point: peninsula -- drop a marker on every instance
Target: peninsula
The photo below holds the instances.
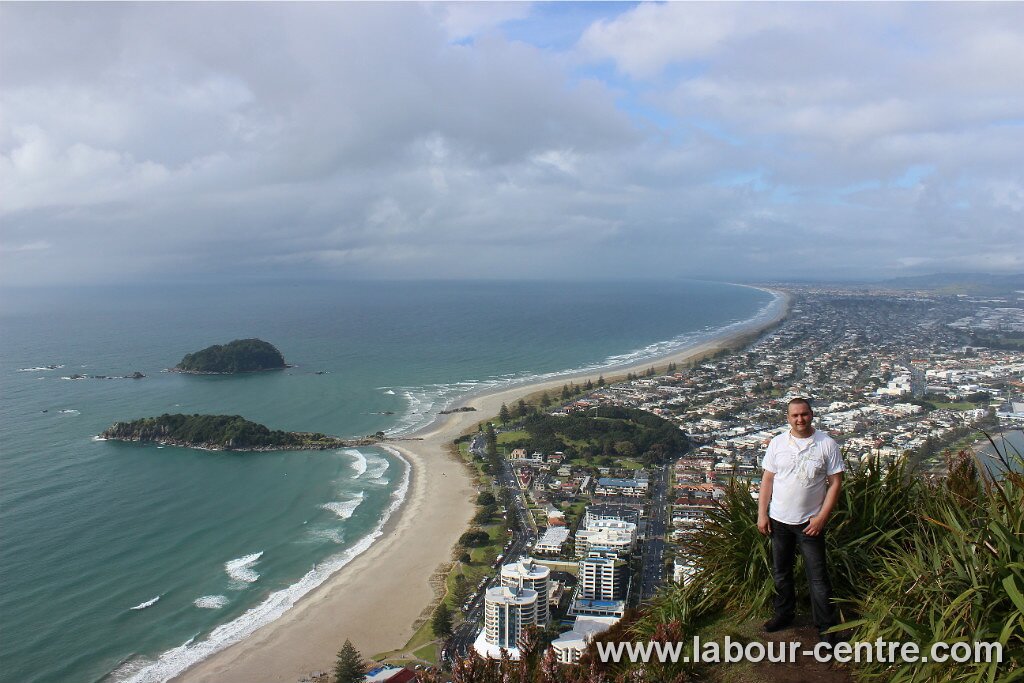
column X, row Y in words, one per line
column 224, row 433
column 240, row 355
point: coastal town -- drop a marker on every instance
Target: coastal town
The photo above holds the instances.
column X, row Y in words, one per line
column 892, row 376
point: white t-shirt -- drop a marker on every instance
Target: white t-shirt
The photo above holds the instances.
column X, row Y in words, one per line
column 802, row 468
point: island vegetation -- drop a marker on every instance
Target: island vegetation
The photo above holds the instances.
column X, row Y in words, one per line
column 224, row 433
column 240, row 355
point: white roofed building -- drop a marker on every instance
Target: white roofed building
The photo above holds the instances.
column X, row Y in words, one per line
column 571, row 645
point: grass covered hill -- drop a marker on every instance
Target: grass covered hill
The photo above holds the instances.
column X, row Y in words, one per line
column 240, row 355
column 220, row 432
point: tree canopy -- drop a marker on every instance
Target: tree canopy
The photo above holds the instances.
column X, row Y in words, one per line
column 350, row 666
column 442, row 621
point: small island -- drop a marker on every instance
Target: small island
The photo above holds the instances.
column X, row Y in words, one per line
column 240, row 355
column 225, row 433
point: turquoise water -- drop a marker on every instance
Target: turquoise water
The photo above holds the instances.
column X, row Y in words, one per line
column 206, row 545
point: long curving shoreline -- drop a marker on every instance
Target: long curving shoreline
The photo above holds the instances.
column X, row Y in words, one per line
column 374, row 600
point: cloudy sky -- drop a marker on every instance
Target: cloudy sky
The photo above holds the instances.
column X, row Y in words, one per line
column 147, row 142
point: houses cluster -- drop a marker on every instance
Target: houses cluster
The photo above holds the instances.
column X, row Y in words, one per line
column 887, row 374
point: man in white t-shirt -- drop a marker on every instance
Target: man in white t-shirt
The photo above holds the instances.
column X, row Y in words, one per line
column 803, row 473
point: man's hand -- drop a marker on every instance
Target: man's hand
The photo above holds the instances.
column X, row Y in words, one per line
column 814, row 525
column 764, row 497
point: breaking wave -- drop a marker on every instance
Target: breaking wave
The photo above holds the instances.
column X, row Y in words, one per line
column 344, row 508
column 148, row 603
column 360, row 460
column 211, row 601
column 240, row 569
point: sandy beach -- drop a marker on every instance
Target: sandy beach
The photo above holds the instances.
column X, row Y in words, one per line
column 374, row 600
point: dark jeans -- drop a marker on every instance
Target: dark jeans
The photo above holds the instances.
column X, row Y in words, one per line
column 785, row 540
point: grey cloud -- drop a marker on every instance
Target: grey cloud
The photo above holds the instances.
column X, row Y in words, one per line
column 150, row 140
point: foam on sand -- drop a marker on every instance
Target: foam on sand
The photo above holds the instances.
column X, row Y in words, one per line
column 174, row 661
column 240, row 569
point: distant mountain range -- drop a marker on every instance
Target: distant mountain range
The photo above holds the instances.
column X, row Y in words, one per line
column 973, row 284
column 957, row 283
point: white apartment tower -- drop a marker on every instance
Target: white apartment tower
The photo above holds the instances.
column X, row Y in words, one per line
column 528, row 574
column 507, row 611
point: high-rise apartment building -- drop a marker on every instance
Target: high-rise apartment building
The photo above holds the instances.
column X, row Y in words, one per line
column 603, row 578
column 528, row 574
column 507, row 611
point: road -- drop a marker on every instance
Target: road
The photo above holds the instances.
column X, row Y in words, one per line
column 523, row 530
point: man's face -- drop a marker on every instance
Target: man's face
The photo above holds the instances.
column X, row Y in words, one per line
column 800, row 416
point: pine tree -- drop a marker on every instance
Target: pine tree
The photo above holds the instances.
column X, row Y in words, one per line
column 522, row 409
column 350, row 666
column 442, row 621
column 504, row 415
column 600, row 381
column 545, row 400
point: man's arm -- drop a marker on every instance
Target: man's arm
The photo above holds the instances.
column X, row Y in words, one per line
column 763, row 498
column 817, row 522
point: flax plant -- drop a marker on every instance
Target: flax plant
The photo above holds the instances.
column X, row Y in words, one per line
column 877, row 515
column 961, row 580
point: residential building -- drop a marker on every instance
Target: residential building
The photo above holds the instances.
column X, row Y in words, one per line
column 507, row 611
column 528, row 574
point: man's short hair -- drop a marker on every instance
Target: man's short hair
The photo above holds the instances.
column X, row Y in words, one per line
column 800, row 399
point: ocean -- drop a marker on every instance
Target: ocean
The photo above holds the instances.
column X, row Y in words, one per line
column 126, row 562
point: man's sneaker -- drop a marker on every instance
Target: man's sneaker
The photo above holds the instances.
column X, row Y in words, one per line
column 777, row 623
